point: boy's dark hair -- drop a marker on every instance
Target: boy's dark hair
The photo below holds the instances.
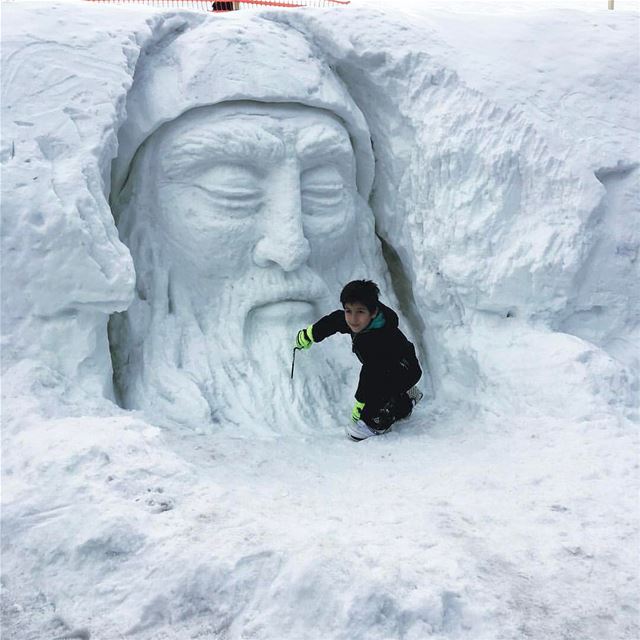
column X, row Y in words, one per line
column 363, row 291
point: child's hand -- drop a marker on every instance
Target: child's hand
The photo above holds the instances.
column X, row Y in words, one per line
column 304, row 338
column 357, row 411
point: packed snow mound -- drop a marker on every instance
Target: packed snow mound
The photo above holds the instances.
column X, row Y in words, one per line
column 585, row 111
column 182, row 192
column 477, row 217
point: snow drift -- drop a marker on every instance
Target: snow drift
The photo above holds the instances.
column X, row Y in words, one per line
column 506, row 242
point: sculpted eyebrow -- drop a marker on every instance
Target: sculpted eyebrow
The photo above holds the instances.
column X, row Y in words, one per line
column 323, row 147
column 236, row 145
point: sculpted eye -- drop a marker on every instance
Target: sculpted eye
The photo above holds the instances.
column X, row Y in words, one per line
column 229, row 189
column 322, row 187
column 234, row 197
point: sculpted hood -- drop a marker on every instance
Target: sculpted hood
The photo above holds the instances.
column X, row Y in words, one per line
column 228, row 60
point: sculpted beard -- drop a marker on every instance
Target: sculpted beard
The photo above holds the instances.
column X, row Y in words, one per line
column 227, row 262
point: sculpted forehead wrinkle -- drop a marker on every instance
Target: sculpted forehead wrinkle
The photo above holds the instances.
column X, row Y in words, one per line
column 242, row 142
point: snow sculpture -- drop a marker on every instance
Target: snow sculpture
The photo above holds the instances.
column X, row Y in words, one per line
column 244, row 219
column 490, row 229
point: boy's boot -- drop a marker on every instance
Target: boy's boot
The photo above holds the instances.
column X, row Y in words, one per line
column 359, row 431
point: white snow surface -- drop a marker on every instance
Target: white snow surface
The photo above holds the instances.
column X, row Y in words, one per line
column 488, row 171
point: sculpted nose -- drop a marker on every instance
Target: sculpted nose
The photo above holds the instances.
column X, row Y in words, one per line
column 283, row 241
column 289, row 251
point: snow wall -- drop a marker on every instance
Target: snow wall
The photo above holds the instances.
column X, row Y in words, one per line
column 491, row 232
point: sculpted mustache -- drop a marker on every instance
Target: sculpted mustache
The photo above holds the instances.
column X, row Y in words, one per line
column 307, row 293
column 273, row 287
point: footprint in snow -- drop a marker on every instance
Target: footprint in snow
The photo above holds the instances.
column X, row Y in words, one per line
column 156, row 502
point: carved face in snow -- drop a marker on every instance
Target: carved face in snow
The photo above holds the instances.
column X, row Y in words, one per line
column 265, row 187
column 259, row 200
column 244, row 221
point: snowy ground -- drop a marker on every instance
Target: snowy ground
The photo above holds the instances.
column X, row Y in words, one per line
column 506, row 507
column 437, row 530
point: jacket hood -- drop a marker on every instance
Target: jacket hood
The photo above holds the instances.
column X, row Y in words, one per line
column 390, row 316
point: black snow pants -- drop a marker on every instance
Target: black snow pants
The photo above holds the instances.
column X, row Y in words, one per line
column 386, row 385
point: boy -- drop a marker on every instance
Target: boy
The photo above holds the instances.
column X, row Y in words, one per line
column 390, row 369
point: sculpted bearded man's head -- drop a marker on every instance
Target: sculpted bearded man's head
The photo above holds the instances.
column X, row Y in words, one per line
column 243, row 201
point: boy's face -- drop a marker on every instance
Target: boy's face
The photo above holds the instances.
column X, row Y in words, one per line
column 357, row 316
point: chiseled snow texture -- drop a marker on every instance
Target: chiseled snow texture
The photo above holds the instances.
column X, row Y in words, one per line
column 506, row 200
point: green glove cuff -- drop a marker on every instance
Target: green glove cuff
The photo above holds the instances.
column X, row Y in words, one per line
column 357, row 411
column 304, row 338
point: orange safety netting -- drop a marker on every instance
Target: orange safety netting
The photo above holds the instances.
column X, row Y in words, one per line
column 220, row 7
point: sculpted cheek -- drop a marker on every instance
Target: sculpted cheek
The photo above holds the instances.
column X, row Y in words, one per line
column 203, row 237
column 331, row 237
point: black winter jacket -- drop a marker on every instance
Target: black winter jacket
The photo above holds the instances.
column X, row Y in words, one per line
column 384, row 352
